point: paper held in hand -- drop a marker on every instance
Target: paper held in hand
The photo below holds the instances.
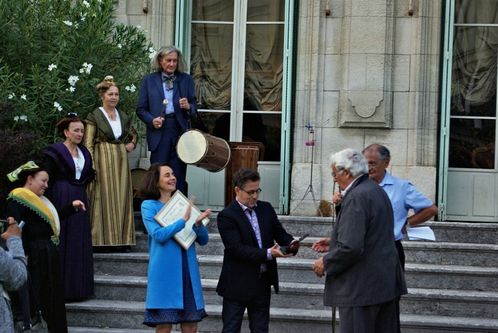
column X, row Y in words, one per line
column 174, row 210
column 420, row 233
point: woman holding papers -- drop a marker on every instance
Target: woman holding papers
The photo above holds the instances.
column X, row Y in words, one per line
column 174, row 291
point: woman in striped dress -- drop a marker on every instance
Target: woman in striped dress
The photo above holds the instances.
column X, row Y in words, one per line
column 109, row 137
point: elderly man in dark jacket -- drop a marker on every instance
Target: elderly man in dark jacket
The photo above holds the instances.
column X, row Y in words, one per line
column 363, row 273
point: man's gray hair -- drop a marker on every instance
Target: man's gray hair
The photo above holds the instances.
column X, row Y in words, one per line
column 351, row 160
column 384, row 153
column 155, row 63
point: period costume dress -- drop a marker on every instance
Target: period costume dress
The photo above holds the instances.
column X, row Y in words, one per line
column 40, row 237
column 174, row 291
column 68, row 180
column 111, row 193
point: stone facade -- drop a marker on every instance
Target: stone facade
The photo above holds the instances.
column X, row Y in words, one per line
column 367, row 71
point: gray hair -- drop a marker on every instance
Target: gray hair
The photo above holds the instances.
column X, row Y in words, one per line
column 155, row 63
column 351, row 160
column 384, row 153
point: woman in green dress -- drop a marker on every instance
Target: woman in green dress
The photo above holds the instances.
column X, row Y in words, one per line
column 109, row 137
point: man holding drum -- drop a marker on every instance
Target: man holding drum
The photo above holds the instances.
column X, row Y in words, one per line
column 166, row 104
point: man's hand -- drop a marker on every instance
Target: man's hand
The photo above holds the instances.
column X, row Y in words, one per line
column 12, row 230
column 184, row 104
column 321, row 245
column 157, row 122
column 276, row 253
column 337, row 198
column 319, row 268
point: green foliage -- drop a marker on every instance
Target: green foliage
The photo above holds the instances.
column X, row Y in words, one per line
column 52, row 55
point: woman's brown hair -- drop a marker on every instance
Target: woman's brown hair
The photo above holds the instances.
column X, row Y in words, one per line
column 149, row 188
column 64, row 123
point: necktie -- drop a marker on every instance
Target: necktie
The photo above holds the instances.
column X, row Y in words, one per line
column 168, row 80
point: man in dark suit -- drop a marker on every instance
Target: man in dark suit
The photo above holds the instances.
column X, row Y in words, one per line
column 249, row 229
column 363, row 273
column 166, row 104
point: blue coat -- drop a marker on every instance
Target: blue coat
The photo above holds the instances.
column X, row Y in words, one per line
column 164, row 287
column 150, row 103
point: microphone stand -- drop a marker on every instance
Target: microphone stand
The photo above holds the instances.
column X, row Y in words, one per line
column 309, row 189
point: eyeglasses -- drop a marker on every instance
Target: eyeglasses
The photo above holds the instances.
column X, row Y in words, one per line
column 252, row 192
column 335, row 174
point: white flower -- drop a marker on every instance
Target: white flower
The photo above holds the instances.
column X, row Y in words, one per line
column 68, row 23
column 73, row 79
column 87, row 68
column 152, row 53
column 12, row 95
column 57, row 106
column 23, row 117
column 86, row 4
column 72, row 89
column 51, row 67
column 83, row 17
column 16, row 118
column 131, row 88
column 120, row 46
column 23, row 96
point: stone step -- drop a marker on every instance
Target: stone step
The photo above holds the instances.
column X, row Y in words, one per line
column 299, row 270
column 114, row 315
column 110, row 330
column 129, row 315
column 443, row 253
column 310, row 296
column 453, row 232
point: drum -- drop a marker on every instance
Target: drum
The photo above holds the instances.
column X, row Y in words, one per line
column 203, row 150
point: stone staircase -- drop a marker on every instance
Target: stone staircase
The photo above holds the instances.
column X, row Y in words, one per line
column 453, row 284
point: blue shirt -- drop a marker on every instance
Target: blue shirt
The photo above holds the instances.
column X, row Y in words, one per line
column 404, row 196
column 168, row 96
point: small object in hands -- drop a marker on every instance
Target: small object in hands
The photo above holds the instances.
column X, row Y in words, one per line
column 291, row 249
column 4, row 224
column 21, row 224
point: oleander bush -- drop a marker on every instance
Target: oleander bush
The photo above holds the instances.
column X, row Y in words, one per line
column 52, row 55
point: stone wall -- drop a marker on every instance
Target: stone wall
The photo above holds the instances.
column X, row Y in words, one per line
column 367, row 72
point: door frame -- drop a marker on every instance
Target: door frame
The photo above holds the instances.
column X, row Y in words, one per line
column 183, row 13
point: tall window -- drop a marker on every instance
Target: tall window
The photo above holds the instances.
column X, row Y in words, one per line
column 473, row 89
column 236, row 61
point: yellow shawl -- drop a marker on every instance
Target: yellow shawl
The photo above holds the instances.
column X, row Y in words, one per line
column 41, row 206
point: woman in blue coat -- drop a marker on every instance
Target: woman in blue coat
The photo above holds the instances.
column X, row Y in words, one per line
column 174, row 291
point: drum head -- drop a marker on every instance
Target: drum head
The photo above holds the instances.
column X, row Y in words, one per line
column 192, row 146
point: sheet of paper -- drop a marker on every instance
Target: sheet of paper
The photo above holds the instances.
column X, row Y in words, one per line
column 420, row 233
column 172, row 211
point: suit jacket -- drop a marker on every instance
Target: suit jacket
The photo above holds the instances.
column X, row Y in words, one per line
column 150, row 103
column 242, row 256
column 362, row 265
